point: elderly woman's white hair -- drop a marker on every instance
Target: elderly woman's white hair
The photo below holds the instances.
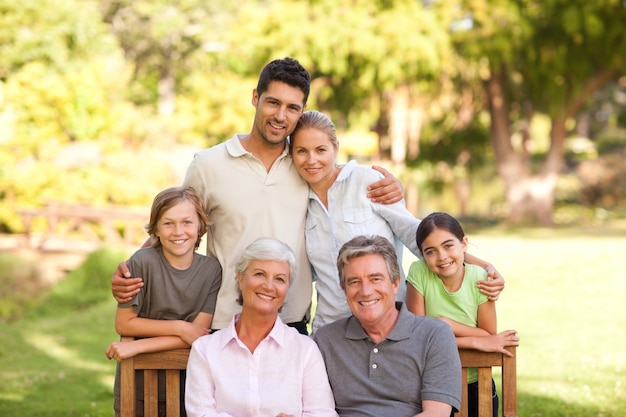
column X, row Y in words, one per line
column 266, row 249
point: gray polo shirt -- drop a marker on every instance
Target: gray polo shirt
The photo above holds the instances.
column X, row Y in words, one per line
column 418, row 361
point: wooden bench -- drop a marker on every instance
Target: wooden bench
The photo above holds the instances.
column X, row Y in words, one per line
column 484, row 361
column 172, row 361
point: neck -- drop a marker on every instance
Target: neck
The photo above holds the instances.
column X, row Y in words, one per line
column 253, row 328
column 453, row 283
column 179, row 262
column 378, row 331
column 264, row 151
column 321, row 188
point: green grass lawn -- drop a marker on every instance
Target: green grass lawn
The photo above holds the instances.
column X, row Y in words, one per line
column 565, row 295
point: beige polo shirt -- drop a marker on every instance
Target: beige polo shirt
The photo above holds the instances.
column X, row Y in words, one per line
column 246, row 202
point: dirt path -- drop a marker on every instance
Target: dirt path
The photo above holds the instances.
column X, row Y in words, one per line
column 53, row 257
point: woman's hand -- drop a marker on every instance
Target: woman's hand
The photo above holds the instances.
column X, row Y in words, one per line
column 494, row 284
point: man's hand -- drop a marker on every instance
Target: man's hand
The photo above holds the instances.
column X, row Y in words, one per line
column 386, row 191
column 123, row 286
column 494, row 284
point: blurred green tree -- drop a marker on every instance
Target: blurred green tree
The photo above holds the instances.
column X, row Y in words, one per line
column 547, row 57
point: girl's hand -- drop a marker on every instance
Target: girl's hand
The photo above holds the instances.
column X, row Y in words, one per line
column 498, row 342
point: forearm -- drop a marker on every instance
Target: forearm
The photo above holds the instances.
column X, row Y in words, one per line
column 434, row 409
column 142, row 327
column 469, row 342
column 471, row 259
column 159, row 344
column 462, row 330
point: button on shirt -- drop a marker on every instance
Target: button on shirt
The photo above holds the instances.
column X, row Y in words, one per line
column 285, row 374
column 417, row 361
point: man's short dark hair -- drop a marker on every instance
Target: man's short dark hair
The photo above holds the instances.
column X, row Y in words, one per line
column 288, row 71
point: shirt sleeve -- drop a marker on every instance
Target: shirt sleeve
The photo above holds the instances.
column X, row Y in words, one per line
column 417, row 275
column 136, row 270
column 402, row 223
column 441, row 379
column 214, row 279
column 317, row 397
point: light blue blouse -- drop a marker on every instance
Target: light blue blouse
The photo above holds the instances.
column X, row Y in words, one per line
column 350, row 213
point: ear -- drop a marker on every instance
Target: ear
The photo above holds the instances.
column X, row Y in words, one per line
column 464, row 243
column 396, row 285
column 255, row 97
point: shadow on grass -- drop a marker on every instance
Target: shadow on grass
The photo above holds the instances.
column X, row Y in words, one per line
column 57, row 367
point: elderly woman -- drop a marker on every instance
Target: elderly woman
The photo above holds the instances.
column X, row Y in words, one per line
column 258, row 366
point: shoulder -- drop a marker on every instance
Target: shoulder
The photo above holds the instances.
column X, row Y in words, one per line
column 210, row 261
column 474, row 272
column 418, row 267
column 419, row 272
column 421, row 325
column 216, row 151
column 206, row 342
column 330, row 332
column 357, row 172
column 299, row 341
column 145, row 255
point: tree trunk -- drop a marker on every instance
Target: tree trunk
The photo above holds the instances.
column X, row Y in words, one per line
column 398, row 124
column 167, row 92
column 529, row 197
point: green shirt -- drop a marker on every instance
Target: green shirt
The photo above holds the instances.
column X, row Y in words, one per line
column 460, row 306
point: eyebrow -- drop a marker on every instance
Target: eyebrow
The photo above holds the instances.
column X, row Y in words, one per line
column 442, row 243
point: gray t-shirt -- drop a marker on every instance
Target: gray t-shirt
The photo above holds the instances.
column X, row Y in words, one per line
column 174, row 294
column 418, row 361
column 171, row 294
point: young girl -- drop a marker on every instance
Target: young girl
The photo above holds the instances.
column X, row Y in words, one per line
column 176, row 304
column 443, row 286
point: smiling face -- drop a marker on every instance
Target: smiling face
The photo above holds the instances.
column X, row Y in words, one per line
column 277, row 112
column 444, row 253
column 264, row 285
column 177, row 230
column 314, row 155
column 370, row 292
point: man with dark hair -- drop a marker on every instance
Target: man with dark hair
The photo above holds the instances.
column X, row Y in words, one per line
column 384, row 360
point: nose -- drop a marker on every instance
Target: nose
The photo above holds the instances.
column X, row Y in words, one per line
column 281, row 114
column 366, row 287
column 178, row 229
column 269, row 283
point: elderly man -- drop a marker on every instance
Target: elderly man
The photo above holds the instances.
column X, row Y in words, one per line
column 384, row 360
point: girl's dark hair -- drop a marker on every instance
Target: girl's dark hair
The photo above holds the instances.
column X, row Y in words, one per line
column 437, row 220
